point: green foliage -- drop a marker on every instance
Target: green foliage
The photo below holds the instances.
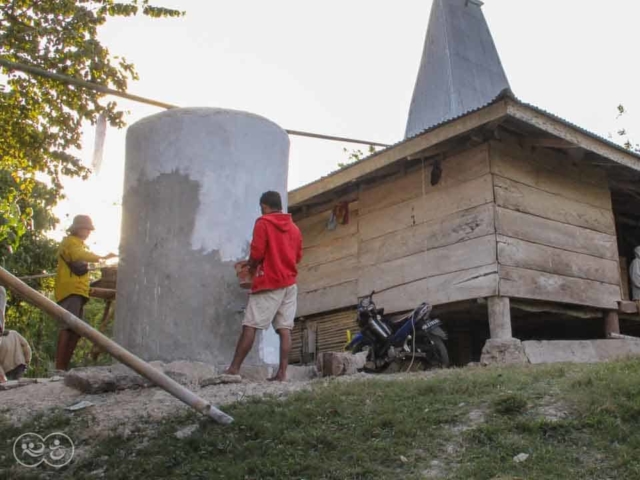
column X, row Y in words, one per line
column 354, row 156
column 41, row 122
column 622, row 132
column 41, row 119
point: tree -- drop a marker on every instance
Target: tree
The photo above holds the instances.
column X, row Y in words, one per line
column 622, row 132
column 356, row 155
column 41, row 119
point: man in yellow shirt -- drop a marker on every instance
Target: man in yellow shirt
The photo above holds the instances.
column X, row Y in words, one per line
column 71, row 285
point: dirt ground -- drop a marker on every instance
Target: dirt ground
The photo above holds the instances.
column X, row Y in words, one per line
column 117, row 411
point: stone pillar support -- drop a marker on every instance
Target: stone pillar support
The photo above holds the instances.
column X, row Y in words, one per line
column 499, row 318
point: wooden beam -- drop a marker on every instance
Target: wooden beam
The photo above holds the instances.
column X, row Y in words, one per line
column 403, row 150
column 533, row 306
column 103, row 293
column 611, row 324
column 499, row 310
column 529, row 142
column 572, row 135
column 627, row 306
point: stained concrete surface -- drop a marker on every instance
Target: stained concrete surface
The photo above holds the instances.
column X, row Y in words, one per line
column 193, row 178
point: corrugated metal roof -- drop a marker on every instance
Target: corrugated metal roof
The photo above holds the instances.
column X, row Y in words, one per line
column 460, row 67
column 505, row 94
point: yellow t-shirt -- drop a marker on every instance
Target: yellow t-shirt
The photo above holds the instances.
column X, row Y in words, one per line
column 73, row 249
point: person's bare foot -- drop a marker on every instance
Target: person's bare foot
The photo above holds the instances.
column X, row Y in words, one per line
column 278, row 377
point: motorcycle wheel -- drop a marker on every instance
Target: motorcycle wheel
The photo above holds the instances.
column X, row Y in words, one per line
column 440, row 357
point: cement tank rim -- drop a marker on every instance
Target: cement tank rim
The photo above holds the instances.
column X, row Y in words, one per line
column 202, row 111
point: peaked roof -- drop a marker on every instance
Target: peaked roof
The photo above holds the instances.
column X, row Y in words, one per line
column 505, row 107
column 460, row 69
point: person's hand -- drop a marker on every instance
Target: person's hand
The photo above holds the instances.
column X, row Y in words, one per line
column 109, row 256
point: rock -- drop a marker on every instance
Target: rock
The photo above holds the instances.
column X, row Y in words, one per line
column 580, row 351
column 194, row 373
column 10, row 384
column 221, row 379
column 503, row 352
column 186, row 431
column 120, row 377
column 79, row 406
column 335, row 364
column 520, row 457
column 110, row 378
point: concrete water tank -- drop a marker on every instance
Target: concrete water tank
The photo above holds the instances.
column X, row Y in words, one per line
column 193, row 179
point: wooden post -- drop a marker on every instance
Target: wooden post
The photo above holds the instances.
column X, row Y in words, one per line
column 96, row 350
column 138, row 365
column 611, row 323
column 499, row 318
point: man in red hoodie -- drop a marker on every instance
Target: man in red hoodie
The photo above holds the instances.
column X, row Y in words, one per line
column 276, row 249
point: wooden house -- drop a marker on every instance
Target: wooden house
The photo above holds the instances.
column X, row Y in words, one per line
column 508, row 219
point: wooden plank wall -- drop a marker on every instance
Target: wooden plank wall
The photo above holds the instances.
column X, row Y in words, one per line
column 408, row 240
column 555, row 228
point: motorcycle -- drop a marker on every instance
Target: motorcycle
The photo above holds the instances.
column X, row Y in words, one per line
column 414, row 339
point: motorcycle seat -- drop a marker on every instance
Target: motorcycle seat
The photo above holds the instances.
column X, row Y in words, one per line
column 401, row 319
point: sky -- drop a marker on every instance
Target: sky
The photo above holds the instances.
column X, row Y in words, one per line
column 348, row 68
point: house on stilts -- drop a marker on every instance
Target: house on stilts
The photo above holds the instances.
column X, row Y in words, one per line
column 511, row 221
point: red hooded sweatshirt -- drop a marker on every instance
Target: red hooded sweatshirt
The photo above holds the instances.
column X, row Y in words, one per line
column 277, row 248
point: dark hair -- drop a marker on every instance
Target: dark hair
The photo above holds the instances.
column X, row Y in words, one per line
column 272, row 200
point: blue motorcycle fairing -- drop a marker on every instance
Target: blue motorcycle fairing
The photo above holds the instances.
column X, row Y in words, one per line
column 354, row 341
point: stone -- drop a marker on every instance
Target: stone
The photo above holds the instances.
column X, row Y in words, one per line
column 186, row 431
column 222, row 379
column 120, row 377
column 521, row 457
column 79, row 406
column 503, row 352
column 580, row 351
column 194, row 373
column 335, row 364
column 110, row 378
column 9, row 385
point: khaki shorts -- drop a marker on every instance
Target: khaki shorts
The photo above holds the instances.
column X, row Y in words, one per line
column 277, row 306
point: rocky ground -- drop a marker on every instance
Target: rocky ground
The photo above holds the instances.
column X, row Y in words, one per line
column 131, row 398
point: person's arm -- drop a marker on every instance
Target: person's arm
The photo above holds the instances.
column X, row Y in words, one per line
column 80, row 253
column 258, row 245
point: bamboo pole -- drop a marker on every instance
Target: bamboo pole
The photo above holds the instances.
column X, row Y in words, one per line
column 111, row 347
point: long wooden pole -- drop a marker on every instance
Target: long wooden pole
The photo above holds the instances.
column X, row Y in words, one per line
column 32, row 70
column 116, row 351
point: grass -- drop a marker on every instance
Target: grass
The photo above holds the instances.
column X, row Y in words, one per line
column 573, row 421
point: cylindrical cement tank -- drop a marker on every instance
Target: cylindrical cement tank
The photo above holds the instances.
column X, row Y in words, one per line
column 193, row 180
